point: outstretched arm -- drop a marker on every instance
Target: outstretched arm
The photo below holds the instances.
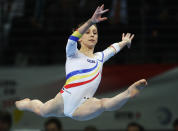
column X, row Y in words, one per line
column 116, row 47
column 71, row 48
column 96, row 18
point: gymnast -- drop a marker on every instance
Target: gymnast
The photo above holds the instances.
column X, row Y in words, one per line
column 83, row 75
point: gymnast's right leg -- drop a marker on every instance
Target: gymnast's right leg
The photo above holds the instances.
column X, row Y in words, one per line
column 53, row 107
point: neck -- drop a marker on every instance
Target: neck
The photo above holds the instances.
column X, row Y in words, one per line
column 87, row 51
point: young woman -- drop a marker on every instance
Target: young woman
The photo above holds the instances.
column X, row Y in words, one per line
column 83, row 69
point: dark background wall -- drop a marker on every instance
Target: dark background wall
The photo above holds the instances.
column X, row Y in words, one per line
column 35, row 32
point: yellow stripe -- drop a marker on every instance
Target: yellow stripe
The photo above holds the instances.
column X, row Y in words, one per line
column 81, row 77
column 77, row 34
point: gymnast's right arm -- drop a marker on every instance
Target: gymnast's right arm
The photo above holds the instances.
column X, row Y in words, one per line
column 71, row 48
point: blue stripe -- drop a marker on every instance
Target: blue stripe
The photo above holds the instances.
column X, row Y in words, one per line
column 102, row 57
column 73, row 38
column 80, row 71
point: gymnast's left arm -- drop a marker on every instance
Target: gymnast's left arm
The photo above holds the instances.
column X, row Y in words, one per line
column 116, row 47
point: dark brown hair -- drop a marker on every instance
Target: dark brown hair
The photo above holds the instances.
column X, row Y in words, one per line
column 74, row 29
column 55, row 121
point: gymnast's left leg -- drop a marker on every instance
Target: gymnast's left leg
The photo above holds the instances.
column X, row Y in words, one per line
column 94, row 107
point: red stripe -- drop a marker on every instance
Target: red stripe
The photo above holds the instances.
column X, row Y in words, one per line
column 80, row 83
column 61, row 91
column 114, row 48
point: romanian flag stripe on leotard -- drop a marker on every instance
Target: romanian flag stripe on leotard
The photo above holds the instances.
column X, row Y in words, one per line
column 75, row 36
column 81, row 83
column 81, row 76
column 80, row 71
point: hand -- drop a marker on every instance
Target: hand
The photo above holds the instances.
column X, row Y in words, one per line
column 96, row 18
column 127, row 39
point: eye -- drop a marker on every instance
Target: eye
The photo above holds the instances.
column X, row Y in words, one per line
column 94, row 32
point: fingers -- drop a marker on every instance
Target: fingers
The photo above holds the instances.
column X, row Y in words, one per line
column 97, row 9
column 97, row 15
column 102, row 12
column 103, row 19
column 128, row 35
column 132, row 36
column 102, row 7
column 123, row 35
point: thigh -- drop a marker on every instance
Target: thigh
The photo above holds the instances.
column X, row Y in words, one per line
column 90, row 109
column 54, row 107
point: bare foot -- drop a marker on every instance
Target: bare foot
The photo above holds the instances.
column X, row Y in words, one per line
column 135, row 88
column 22, row 104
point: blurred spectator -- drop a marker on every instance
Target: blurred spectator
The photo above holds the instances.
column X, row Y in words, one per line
column 90, row 128
column 53, row 124
column 12, row 9
column 134, row 127
column 175, row 124
column 5, row 121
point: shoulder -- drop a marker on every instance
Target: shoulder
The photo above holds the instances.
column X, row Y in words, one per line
column 99, row 56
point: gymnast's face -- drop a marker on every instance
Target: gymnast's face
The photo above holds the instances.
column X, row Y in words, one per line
column 90, row 38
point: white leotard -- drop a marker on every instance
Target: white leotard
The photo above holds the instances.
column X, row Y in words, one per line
column 83, row 74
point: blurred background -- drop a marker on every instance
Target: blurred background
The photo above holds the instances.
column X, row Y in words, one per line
column 33, row 36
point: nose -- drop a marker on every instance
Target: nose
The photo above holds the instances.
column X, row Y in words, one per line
column 92, row 34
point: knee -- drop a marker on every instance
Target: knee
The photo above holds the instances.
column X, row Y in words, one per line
column 104, row 102
column 99, row 104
